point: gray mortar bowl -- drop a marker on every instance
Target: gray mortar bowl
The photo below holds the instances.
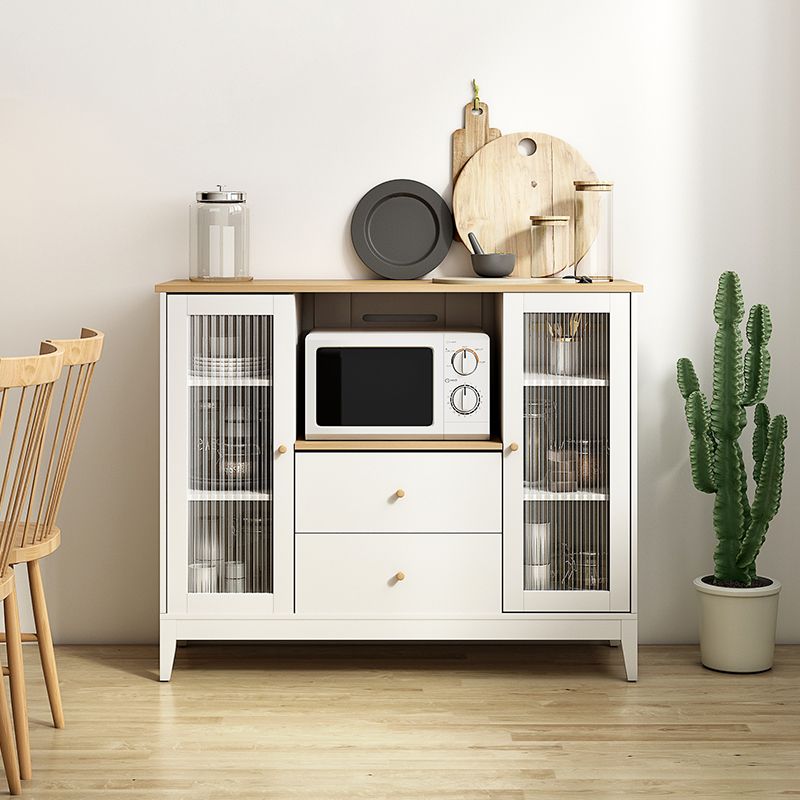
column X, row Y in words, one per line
column 493, row 265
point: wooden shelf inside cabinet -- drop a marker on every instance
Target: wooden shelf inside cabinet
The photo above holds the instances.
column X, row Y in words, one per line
column 537, row 495
column 229, row 495
column 545, row 379
column 197, row 380
column 400, row 444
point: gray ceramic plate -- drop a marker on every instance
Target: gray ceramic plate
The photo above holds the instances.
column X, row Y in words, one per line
column 402, row 229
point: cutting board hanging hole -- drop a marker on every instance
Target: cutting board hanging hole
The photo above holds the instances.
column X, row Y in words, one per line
column 526, row 147
column 476, row 112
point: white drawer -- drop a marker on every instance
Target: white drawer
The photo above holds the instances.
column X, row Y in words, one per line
column 441, row 492
column 356, row 573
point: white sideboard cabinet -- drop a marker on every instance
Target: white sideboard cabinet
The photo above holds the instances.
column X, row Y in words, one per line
column 529, row 535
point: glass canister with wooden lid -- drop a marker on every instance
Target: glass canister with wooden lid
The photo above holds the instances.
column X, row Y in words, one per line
column 550, row 250
column 593, row 234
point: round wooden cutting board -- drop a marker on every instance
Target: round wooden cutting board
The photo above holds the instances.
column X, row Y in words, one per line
column 511, row 179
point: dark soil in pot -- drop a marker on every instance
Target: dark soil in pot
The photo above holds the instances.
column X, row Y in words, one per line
column 758, row 583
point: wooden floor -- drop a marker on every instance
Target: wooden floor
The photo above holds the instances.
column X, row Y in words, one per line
column 331, row 722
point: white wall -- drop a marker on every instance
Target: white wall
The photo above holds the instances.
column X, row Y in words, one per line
column 114, row 113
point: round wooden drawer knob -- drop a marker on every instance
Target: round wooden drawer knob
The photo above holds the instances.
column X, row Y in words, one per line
column 400, row 576
column 400, row 493
column 513, row 447
column 283, row 449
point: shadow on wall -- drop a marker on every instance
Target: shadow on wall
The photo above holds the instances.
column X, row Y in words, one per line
column 102, row 585
column 742, row 120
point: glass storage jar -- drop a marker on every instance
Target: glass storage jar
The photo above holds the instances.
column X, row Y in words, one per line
column 219, row 240
column 594, row 230
column 550, row 251
column 538, row 424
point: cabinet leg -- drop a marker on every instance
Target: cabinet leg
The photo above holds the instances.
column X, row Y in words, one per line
column 613, row 642
column 168, row 643
column 630, row 648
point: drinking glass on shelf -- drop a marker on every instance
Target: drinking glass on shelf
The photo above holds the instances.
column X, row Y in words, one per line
column 234, row 576
column 538, row 422
column 564, row 346
column 203, row 576
column 537, row 543
column 537, row 577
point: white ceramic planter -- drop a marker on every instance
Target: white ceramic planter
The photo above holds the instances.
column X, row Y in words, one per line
column 737, row 626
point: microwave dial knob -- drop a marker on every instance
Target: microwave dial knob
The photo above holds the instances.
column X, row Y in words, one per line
column 464, row 361
column 465, row 399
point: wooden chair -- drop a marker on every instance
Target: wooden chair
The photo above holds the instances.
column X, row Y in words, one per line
column 26, row 393
column 36, row 534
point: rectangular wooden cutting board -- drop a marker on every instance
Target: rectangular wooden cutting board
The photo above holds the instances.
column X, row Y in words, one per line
column 474, row 135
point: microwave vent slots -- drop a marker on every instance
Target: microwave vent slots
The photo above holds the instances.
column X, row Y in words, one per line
column 400, row 319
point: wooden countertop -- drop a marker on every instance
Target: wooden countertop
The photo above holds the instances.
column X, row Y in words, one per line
column 183, row 286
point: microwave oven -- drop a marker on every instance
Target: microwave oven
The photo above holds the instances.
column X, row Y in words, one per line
column 396, row 384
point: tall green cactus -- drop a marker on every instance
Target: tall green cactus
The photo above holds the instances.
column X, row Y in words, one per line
column 716, row 457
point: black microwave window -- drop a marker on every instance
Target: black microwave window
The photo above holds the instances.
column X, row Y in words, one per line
column 367, row 386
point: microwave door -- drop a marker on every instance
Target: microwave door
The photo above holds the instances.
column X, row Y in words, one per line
column 377, row 392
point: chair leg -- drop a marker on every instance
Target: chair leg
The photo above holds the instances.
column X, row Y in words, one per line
column 45, row 639
column 7, row 746
column 16, row 673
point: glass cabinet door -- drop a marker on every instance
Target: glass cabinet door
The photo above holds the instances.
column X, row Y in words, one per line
column 230, row 479
column 226, row 479
column 566, row 529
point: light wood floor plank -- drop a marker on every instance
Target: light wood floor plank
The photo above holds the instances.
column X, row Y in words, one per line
column 411, row 722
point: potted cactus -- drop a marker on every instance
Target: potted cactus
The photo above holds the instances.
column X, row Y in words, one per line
column 738, row 607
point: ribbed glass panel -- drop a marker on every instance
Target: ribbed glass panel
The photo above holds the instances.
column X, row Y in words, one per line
column 230, row 463
column 566, row 466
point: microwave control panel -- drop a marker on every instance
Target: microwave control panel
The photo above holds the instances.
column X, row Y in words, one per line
column 466, row 385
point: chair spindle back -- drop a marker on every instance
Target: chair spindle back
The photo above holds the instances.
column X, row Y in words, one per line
column 80, row 357
column 26, row 393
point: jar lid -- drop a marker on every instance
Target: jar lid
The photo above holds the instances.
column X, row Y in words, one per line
column 555, row 221
column 221, row 195
column 593, row 186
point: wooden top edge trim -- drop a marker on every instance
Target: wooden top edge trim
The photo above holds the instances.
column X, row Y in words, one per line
column 281, row 286
column 84, row 350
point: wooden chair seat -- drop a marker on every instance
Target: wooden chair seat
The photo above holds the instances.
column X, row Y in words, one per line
column 22, row 553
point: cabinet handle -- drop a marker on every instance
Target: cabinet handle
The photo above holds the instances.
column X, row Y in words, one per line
column 513, row 447
column 283, row 449
column 400, row 493
column 400, row 576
